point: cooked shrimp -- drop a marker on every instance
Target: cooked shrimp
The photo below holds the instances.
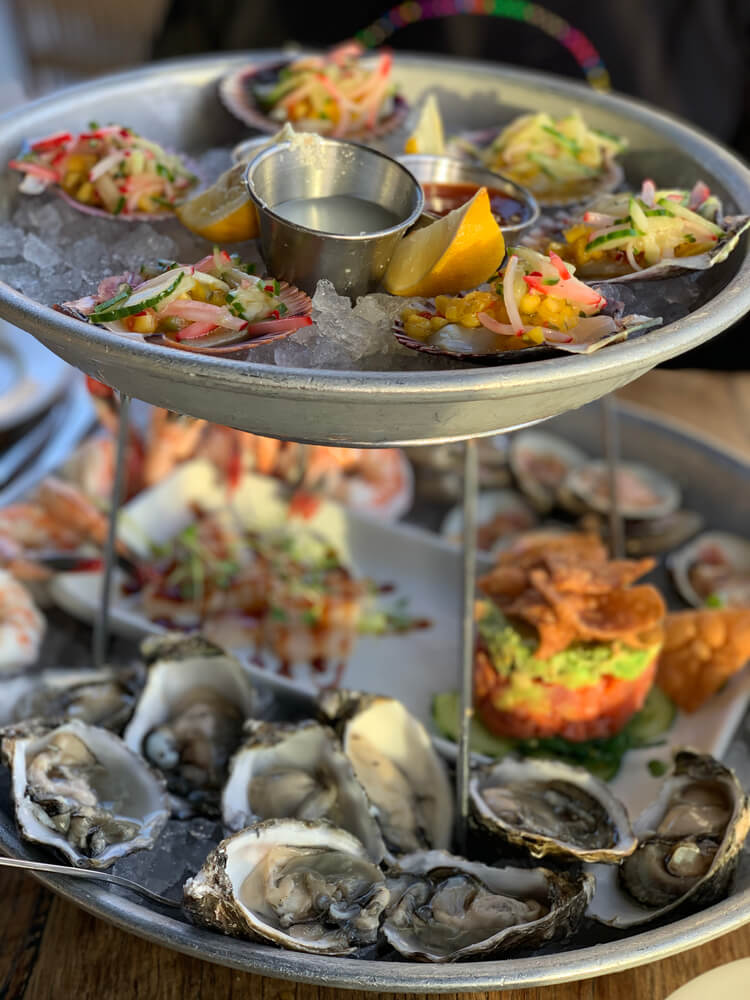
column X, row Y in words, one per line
column 22, row 626
column 373, row 480
column 172, row 439
column 65, row 504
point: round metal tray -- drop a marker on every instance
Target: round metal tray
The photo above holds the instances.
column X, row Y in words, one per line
column 177, row 102
column 709, row 476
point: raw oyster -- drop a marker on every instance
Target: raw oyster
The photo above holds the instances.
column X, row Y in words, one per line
column 297, row 772
column 642, row 492
column 551, row 808
column 397, row 766
column 540, row 462
column 188, row 720
column 80, row 790
column 690, row 839
column 444, row 908
column 306, row 886
column 97, row 697
column 714, row 566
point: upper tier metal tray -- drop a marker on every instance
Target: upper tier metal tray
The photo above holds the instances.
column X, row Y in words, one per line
column 177, row 104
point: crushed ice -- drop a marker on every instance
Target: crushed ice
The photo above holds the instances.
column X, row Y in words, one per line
column 53, row 253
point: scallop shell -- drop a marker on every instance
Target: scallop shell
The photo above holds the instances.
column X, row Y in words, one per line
column 480, row 345
column 514, row 828
column 525, row 445
column 308, row 749
column 578, row 494
column 613, row 906
column 563, row 895
column 466, row 144
column 297, row 302
column 712, row 547
column 236, row 96
column 139, row 793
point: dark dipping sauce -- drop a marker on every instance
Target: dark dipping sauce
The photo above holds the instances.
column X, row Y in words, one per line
column 441, row 197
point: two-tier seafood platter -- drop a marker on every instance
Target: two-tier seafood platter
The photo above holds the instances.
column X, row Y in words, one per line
column 285, row 766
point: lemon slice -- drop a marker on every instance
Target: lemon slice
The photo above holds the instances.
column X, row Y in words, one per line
column 455, row 253
column 428, row 135
column 224, row 212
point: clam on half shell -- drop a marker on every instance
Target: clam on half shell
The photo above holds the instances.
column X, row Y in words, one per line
column 445, row 908
column 303, row 885
column 551, row 808
column 690, row 839
column 297, row 771
column 80, row 790
column 394, row 761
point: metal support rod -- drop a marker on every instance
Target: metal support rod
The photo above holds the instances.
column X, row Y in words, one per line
column 611, row 439
column 466, row 686
column 101, row 625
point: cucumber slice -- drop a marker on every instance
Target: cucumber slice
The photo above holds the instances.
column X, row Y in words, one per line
column 637, row 216
column 445, row 714
column 612, row 240
column 684, row 213
column 653, row 720
column 148, row 296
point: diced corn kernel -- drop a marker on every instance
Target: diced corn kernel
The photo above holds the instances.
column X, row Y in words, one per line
column 72, row 180
column 199, row 292
column 85, row 192
column 530, row 302
column 144, row 324
column 535, row 335
column 80, row 162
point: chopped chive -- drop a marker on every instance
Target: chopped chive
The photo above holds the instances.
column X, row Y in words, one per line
column 164, row 171
column 119, row 206
column 550, row 281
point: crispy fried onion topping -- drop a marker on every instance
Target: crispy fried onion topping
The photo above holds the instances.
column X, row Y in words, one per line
column 567, row 589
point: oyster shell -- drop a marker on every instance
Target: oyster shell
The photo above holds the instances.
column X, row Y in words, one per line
column 642, row 492
column 306, row 886
column 715, row 565
column 288, row 771
column 551, row 808
column 540, row 462
column 445, row 908
column 188, row 720
column 690, row 839
column 650, row 536
column 80, row 790
column 98, row 697
column 396, row 764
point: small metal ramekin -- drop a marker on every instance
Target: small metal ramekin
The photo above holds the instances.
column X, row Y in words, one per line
column 315, row 168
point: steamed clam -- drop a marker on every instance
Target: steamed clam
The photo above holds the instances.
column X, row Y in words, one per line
column 690, row 839
column 396, row 764
column 642, row 492
column 540, row 462
column 714, row 567
column 189, row 718
column 303, row 885
column 297, row 771
column 80, row 790
column 445, row 908
column 551, row 808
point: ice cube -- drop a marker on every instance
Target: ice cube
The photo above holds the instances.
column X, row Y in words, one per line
column 35, row 251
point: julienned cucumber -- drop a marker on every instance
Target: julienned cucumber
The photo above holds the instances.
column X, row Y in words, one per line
column 147, row 297
column 611, row 240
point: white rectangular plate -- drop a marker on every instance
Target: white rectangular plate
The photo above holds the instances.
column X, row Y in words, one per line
column 423, row 567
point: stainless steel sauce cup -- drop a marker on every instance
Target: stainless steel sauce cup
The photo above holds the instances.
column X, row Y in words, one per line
column 449, row 170
column 315, row 168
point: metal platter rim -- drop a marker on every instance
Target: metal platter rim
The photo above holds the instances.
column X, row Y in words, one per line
column 427, row 387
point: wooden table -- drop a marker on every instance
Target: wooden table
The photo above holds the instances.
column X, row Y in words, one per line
column 51, row 949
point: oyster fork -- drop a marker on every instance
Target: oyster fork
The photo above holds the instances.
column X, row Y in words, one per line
column 90, row 873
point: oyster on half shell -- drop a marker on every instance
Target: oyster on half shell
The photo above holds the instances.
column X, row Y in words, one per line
column 394, row 761
column 551, row 808
column 80, row 790
column 642, row 492
column 303, row 885
column 188, row 720
column 715, row 565
column 297, row 771
column 690, row 839
column 540, row 462
column 445, row 908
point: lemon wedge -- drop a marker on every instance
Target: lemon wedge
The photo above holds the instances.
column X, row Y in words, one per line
column 224, row 212
column 428, row 135
column 455, row 253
